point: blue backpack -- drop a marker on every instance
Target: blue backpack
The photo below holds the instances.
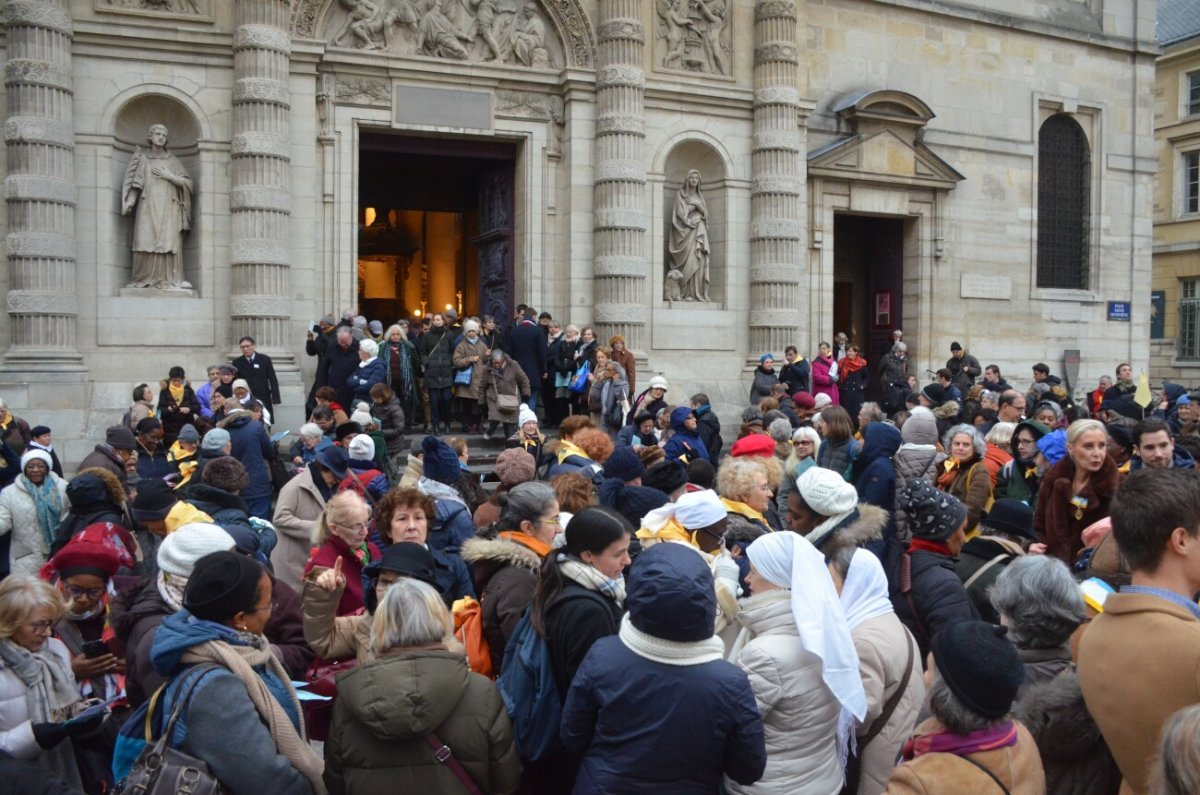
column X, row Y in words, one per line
column 529, row 690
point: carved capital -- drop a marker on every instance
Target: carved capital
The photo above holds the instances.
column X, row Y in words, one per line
column 40, row 246
column 262, row 37
column 776, row 228
column 28, row 71
column 777, row 95
column 261, row 143
column 37, row 302
column 27, row 187
column 775, row 184
column 613, row 265
column 621, row 30
column 787, row 141
column 620, row 75
column 618, row 170
column 33, row 130
column 18, row 13
column 260, row 306
column 629, row 123
column 775, row 9
column 777, row 51
column 261, row 89
column 253, row 251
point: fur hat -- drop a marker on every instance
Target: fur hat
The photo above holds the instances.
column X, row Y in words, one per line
column 825, row 491
column 515, row 465
column 441, row 462
column 225, row 473
column 178, row 552
column 933, row 515
column 979, row 665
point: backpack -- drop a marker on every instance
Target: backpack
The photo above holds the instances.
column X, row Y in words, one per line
column 468, row 628
column 529, row 689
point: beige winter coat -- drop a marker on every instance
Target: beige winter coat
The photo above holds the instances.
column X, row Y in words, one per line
column 799, row 712
column 882, row 644
column 296, row 511
column 462, row 359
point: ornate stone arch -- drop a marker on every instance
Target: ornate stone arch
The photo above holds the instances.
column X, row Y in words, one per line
column 568, row 16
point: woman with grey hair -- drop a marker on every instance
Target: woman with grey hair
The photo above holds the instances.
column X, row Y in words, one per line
column 1177, row 771
column 312, row 441
column 1040, row 603
column 972, row 743
column 505, row 562
column 964, row 473
column 414, row 702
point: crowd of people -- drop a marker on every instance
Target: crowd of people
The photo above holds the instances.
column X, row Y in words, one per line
column 870, row 586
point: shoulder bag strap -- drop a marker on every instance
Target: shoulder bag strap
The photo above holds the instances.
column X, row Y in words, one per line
column 979, row 573
column 892, row 702
column 197, row 673
column 443, row 754
column 906, row 591
column 989, row 773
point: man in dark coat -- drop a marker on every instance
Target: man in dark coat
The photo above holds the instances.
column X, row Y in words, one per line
column 708, row 427
column 528, row 343
column 341, row 360
column 251, row 445
column 964, row 368
column 114, row 453
column 318, row 344
column 259, row 373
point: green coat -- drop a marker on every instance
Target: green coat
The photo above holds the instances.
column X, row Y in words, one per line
column 386, row 708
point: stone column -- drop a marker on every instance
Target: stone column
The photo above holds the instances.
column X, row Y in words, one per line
column 39, row 188
column 260, row 186
column 776, row 224
column 620, row 268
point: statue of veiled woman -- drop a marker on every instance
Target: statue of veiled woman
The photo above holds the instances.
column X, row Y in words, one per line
column 160, row 190
column 688, row 249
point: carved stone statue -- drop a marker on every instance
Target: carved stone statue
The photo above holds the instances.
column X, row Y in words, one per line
column 694, row 35
column 160, row 190
column 172, row 6
column 529, row 38
column 688, row 268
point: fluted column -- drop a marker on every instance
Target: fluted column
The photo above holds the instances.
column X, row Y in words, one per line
column 39, row 188
column 776, row 223
column 621, row 270
column 260, row 204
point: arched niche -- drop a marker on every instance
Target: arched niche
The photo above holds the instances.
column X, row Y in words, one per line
column 131, row 126
column 685, row 157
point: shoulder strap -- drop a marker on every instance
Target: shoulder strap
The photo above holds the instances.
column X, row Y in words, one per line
column 443, row 754
column 892, row 702
column 989, row 773
column 196, row 673
column 980, row 571
column 906, row 591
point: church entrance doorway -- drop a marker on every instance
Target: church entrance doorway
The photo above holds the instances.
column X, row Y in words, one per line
column 435, row 227
column 868, row 271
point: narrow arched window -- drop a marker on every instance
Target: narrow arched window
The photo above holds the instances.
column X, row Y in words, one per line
column 1064, row 170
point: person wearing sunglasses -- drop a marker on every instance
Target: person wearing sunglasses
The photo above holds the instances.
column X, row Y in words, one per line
column 341, row 535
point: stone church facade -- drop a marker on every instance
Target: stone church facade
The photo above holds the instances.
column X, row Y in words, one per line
column 864, row 166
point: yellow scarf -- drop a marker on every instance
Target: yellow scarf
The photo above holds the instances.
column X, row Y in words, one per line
column 671, row 531
column 176, row 392
column 742, row 509
column 566, row 449
column 529, row 542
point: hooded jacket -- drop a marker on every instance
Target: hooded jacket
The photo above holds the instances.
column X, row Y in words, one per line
column 874, row 473
column 708, row 426
column 862, row 527
column 252, row 447
column 685, row 443
column 220, row 722
column 387, row 707
column 506, row 575
column 1015, row 480
column 92, row 500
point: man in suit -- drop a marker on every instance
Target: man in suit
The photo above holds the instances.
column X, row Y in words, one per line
column 259, row 373
column 528, row 343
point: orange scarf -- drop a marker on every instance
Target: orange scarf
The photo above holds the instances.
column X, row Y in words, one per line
column 849, row 364
column 524, row 539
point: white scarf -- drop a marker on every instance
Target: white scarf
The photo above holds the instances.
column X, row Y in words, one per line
column 669, row 652
column 790, row 561
column 865, row 591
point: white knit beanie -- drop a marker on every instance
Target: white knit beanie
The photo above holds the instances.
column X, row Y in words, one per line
column 34, row 454
column 525, row 415
column 362, row 448
column 363, row 418
column 179, row 551
column 826, row 492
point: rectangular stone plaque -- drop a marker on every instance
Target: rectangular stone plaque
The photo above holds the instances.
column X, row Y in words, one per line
column 442, row 107
column 981, row 285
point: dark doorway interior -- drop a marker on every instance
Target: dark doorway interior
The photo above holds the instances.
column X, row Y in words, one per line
column 435, row 227
column 868, row 270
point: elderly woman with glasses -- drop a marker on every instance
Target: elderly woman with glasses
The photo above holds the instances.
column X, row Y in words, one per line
column 340, row 535
column 38, row 693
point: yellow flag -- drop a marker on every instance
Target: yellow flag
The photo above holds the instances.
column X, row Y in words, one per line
column 1143, row 397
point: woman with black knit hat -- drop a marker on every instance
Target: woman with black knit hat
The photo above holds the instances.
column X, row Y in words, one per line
column 242, row 718
column 971, row 744
column 922, row 583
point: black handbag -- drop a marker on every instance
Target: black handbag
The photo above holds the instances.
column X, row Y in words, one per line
column 162, row 770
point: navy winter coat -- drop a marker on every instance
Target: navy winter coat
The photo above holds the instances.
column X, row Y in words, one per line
column 252, row 447
column 529, row 348
column 362, row 379
column 452, row 525
column 452, row 576
column 875, row 474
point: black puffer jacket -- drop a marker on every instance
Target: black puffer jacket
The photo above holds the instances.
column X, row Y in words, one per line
column 436, row 349
column 91, row 502
column 936, row 593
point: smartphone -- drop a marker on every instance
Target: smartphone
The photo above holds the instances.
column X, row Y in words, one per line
column 95, row 648
column 314, row 328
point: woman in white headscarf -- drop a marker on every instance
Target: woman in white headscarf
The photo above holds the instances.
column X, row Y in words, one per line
column 889, row 663
column 797, row 651
column 700, row 520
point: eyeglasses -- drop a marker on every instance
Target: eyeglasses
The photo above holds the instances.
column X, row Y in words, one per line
column 77, row 593
column 553, row 521
column 42, row 627
column 269, row 607
column 356, row 526
column 720, row 538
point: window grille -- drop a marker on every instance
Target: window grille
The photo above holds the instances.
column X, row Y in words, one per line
column 1193, row 94
column 1191, row 182
column 1064, row 173
column 1189, row 319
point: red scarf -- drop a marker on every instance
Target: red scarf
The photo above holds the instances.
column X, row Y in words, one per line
column 926, row 545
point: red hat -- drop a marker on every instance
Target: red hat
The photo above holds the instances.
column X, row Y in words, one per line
column 96, row 549
column 803, row 400
column 756, row 444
